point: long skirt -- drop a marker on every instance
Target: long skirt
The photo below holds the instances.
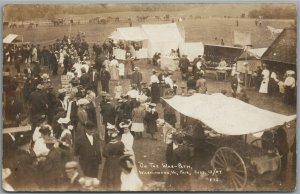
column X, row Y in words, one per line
column 137, row 127
column 155, row 93
column 264, row 86
column 111, row 176
column 289, row 95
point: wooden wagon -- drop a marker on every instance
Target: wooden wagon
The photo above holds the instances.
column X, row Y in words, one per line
column 227, row 125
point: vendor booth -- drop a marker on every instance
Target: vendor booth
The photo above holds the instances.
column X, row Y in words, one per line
column 191, row 49
column 154, row 38
column 252, row 57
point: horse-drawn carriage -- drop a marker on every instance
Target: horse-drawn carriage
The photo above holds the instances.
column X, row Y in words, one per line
column 231, row 133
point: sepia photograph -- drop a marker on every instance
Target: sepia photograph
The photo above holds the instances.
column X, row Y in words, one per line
column 149, row 97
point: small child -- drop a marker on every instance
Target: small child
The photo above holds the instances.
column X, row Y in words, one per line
column 118, row 90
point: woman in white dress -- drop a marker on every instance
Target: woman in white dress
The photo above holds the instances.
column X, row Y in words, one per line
column 127, row 138
column 113, row 69
column 130, row 181
column 61, row 57
column 265, row 82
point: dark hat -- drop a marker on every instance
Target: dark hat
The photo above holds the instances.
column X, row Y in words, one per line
column 23, row 138
column 42, row 118
column 45, row 130
column 89, row 125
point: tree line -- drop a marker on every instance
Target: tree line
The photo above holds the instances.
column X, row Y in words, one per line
column 274, row 12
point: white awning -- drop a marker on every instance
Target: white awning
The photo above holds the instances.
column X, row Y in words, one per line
column 128, row 34
column 9, row 38
column 227, row 115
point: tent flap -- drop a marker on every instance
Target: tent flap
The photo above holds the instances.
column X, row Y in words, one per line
column 227, row 115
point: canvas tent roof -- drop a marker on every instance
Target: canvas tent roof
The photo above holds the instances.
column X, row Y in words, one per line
column 162, row 32
column 252, row 53
column 223, row 51
column 191, row 49
column 284, row 48
column 129, row 34
column 10, row 38
column 227, row 115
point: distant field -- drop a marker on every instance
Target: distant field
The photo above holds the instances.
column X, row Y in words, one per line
column 197, row 30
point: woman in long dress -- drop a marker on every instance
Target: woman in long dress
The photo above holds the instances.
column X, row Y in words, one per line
column 113, row 150
column 155, row 90
column 138, row 114
column 265, row 82
column 150, row 120
column 113, row 69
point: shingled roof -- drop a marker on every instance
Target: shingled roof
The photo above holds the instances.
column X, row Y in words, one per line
column 283, row 49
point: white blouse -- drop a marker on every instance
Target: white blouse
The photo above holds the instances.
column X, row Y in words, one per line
column 127, row 140
column 154, row 79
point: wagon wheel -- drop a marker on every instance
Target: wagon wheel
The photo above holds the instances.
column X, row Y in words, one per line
column 232, row 167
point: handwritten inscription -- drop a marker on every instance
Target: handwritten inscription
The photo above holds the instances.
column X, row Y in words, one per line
column 151, row 168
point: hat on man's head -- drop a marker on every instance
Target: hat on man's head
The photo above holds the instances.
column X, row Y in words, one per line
column 45, row 130
column 40, row 86
column 73, row 69
column 71, row 165
column 89, row 125
column 154, row 71
column 152, row 104
column 45, row 76
column 23, row 138
column 61, row 91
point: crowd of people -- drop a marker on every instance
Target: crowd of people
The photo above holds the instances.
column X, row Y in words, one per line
column 66, row 131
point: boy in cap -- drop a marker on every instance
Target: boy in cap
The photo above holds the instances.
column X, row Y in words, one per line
column 71, row 169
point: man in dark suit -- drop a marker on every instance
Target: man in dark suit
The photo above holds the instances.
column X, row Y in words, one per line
column 136, row 77
column 109, row 115
column 104, row 78
column 181, row 156
column 85, row 78
column 234, row 85
column 94, row 77
column 9, row 149
column 39, row 105
column 25, row 164
column 87, row 147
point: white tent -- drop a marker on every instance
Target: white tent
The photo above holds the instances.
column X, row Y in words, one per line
column 191, row 49
column 252, row 57
column 11, row 38
column 162, row 38
column 227, row 115
column 156, row 37
column 128, row 34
